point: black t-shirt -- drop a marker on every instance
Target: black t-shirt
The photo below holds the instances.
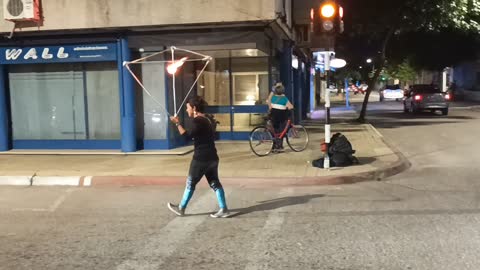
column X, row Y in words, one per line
column 203, row 139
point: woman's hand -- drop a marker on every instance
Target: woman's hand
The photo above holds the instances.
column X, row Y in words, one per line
column 174, row 119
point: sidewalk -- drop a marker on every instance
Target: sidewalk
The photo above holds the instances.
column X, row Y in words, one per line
column 465, row 105
column 238, row 165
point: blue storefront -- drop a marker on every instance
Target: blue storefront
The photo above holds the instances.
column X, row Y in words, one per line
column 79, row 95
column 72, row 96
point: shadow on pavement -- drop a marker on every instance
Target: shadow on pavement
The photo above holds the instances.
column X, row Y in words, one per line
column 365, row 160
column 275, row 204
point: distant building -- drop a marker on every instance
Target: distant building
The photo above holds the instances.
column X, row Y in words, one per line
column 467, row 79
column 63, row 85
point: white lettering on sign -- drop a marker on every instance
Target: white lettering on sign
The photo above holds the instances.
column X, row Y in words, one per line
column 13, row 54
column 46, row 54
column 61, row 53
column 32, row 53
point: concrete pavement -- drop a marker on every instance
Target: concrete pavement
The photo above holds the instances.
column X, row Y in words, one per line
column 238, row 165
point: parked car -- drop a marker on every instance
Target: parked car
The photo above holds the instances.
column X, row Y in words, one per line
column 423, row 97
column 393, row 92
column 356, row 89
column 363, row 87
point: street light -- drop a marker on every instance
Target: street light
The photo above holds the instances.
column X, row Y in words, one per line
column 369, row 60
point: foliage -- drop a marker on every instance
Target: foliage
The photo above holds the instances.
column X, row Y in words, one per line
column 403, row 72
column 372, row 24
column 349, row 74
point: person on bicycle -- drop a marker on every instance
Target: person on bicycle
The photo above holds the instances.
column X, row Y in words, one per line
column 279, row 105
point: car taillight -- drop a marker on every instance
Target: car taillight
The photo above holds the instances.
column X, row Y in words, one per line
column 447, row 97
column 418, row 97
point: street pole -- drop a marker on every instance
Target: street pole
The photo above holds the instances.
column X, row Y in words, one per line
column 326, row 158
column 346, row 94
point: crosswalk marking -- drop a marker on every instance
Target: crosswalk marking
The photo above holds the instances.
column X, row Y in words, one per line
column 170, row 237
column 259, row 255
column 52, row 208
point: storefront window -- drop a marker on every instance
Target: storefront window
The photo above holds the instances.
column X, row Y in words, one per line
column 275, row 70
column 214, row 83
column 250, row 76
column 65, row 101
column 245, row 122
column 103, row 101
column 249, row 72
column 155, row 117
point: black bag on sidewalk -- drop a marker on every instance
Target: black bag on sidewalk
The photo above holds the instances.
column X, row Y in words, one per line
column 340, row 152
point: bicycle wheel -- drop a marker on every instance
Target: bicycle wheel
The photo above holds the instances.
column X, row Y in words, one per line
column 261, row 141
column 297, row 138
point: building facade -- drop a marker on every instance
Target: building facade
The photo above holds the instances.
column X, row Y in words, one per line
column 467, row 79
column 63, row 83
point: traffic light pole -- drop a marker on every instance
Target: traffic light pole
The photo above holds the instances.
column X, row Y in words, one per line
column 326, row 159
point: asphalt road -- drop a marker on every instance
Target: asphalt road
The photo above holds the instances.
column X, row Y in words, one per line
column 424, row 218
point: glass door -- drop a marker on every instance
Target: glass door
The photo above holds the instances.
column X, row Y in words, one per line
column 236, row 87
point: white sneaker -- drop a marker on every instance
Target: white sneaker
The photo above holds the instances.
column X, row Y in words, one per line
column 222, row 213
column 176, row 209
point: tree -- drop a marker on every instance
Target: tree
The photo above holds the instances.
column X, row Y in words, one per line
column 375, row 22
column 433, row 50
column 347, row 74
column 403, row 72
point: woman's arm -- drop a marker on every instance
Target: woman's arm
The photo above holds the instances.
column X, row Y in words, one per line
column 289, row 105
column 176, row 121
column 269, row 100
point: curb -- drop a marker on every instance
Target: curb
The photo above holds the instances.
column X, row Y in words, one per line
column 80, row 181
column 473, row 107
column 397, row 167
column 391, row 169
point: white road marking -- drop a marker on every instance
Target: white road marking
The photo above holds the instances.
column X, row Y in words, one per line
column 87, row 181
column 60, row 200
column 15, row 180
column 52, row 208
column 258, row 259
column 56, row 181
column 170, row 237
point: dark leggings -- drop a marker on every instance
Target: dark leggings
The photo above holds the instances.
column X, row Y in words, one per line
column 200, row 168
column 279, row 126
column 197, row 170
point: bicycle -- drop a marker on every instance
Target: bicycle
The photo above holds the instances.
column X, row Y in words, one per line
column 262, row 138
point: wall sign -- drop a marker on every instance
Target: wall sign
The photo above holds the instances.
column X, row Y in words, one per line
column 58, row 54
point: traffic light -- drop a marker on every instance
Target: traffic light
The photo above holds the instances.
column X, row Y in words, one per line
column 327, row 18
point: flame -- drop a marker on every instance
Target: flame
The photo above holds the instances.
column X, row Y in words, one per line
column 173, row 67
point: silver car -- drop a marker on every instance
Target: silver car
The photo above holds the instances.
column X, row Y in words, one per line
column 425, row 97
column 394, row 92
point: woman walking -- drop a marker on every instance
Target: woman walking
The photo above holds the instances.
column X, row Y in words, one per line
column 205, row 159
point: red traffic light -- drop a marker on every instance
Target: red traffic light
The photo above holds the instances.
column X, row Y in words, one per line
column 327, row 18
column 327, row 10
